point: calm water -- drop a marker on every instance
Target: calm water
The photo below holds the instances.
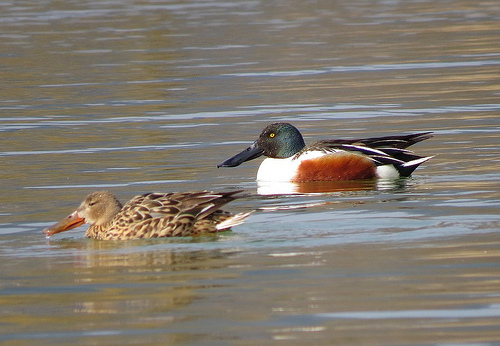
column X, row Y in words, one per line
column 150, row 96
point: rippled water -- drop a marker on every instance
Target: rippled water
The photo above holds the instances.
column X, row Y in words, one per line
column 150, row 96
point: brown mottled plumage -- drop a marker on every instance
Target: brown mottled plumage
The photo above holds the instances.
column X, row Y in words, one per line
column 152, row 215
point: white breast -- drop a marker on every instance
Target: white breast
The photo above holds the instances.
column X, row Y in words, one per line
column 283, row 169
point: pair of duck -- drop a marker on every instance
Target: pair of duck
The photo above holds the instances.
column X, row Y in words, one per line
column 288, row 159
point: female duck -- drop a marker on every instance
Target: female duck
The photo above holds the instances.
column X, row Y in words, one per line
column 151, row 215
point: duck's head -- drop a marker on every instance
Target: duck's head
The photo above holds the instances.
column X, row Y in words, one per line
column 98, row 208
column 278, row 140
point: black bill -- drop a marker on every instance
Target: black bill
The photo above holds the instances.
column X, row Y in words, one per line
column 250, row 153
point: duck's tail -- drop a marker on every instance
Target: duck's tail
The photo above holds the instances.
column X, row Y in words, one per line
column 234, row 220
column 406, row 169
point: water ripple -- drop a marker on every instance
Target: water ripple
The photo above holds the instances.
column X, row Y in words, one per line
column 367, row 68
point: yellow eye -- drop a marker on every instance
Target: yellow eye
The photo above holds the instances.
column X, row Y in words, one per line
column 272, row 135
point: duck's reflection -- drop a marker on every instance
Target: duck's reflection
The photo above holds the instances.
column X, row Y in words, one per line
column 288, row 188
column 126, row 277
column 143, row 255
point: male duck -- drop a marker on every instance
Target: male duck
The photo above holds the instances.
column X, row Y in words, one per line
column 290, row 160
column 151, row 215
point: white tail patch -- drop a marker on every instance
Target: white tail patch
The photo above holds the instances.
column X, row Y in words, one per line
column 235, row 220
column 387, row 172
column 417, row 161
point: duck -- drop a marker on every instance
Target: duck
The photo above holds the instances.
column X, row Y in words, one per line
column 288, row 159
column 152, row 215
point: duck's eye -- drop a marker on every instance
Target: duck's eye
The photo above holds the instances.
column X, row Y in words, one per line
column 92, row 203
column 272, row 135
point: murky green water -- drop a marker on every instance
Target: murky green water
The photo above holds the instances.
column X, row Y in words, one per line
column 150, row 96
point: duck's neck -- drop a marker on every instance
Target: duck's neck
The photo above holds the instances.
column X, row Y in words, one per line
column 97, row 231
